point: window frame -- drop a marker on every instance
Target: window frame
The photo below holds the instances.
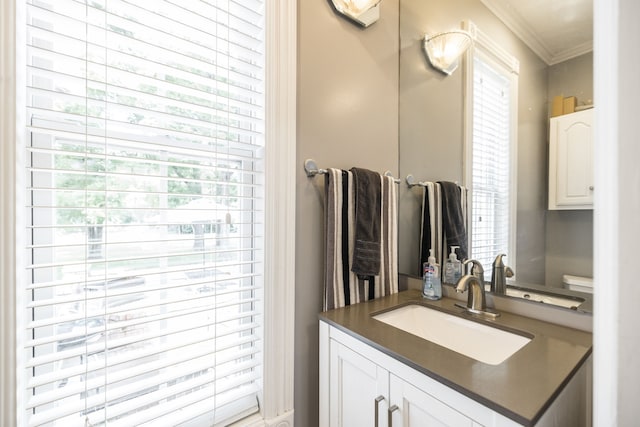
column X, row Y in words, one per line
column 491, row 51
column 276, row 403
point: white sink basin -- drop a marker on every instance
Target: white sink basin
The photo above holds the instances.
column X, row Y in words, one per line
column 483, row 343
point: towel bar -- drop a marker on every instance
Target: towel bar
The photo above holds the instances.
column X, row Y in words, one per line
column 312, row 169
column 411, row 182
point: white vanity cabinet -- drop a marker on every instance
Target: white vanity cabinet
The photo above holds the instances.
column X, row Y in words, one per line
column 360, row 385
column 571, row 161
column 361, row 393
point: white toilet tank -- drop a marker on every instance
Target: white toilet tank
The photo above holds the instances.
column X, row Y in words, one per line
column 577, row 283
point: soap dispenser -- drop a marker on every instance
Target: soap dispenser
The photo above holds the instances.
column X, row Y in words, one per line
column 453, row 267
column 431, row 284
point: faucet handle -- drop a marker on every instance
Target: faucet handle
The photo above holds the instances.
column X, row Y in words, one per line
column 508, row 272
column 475, row 269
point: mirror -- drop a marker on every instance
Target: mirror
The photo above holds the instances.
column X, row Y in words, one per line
column 431, row 134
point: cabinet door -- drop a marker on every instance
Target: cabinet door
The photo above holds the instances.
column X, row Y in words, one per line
column 412, row 407
column 572, row 146
column 358, row 389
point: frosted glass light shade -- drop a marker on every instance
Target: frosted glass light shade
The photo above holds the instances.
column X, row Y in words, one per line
column 364, row 12
column 443, row 50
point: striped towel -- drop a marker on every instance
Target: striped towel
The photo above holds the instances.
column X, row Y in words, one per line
column 342, row 286
column 432, row 232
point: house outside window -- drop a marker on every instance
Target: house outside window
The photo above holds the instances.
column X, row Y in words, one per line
column 143, row 180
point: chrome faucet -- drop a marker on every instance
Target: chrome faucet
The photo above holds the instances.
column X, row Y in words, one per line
column 499, row 275
column 476, row 301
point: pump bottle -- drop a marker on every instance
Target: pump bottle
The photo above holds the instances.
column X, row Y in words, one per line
column 452, row 267
column 431, row 284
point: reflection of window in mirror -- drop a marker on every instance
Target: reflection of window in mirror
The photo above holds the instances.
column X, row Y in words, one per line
column 491, row 129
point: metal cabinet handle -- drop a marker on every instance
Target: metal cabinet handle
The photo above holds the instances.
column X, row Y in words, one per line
column 376, row 408
column 393, row 409
column 591, row 187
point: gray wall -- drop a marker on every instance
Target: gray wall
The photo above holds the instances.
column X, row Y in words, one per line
column 347, row 116
column 315, row 24
column 572, row 78
column 348, row 109
column 431, row 127
column 569, row 242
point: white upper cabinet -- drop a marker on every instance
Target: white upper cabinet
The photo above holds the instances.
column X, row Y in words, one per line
column 571, row 161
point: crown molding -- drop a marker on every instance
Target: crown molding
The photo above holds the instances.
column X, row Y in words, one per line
column 529, row 37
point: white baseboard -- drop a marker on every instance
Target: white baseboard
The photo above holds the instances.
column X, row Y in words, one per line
column 284, row 420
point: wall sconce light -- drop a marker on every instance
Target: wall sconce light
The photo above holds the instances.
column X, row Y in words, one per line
column 364, row 12
column 444, row 49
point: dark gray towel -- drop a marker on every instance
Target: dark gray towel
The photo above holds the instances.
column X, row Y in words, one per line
column 453, row 220
column 366, row 251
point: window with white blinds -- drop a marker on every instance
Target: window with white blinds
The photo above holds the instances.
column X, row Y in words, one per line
column 144, row 182
column 491, row 162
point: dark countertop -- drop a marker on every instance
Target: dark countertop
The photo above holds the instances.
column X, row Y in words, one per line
column 521, row 388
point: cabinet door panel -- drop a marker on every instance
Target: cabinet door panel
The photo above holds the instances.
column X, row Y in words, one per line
column 571, row 161
column 355, row 384
column 575, row 153
column 420, row 409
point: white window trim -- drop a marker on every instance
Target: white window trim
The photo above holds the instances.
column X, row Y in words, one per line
column 280, row 208
column 277, row 400
column 10, row 222
column 492, row 50
column 612, row 71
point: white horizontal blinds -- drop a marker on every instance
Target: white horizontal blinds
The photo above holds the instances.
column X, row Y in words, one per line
column 143, row 304
column 491, row 162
